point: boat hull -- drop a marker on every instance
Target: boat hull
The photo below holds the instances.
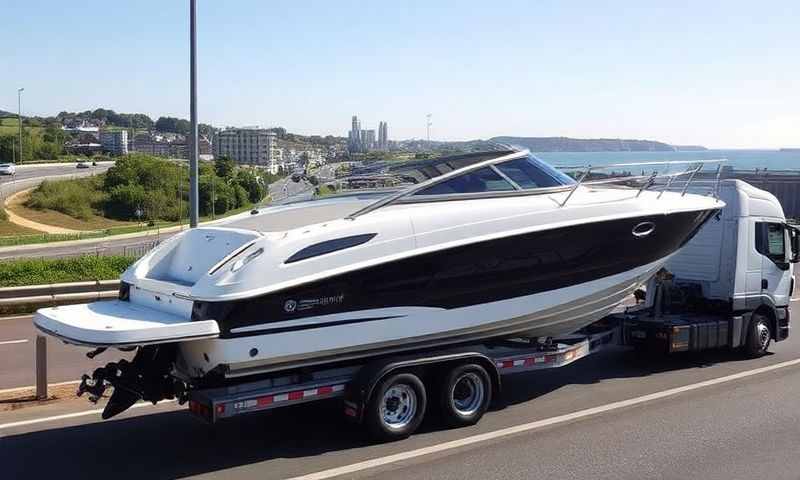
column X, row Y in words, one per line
column 543, row 283
column 381, row 331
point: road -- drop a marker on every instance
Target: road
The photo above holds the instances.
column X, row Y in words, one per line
column 740, row 428
column 277, row 189
column 17, row 349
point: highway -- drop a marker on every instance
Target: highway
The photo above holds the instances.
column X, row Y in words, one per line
column 612, row 415
column 119, row 245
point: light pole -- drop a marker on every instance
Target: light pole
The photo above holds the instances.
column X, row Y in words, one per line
column 193, row 150
column 19, row 120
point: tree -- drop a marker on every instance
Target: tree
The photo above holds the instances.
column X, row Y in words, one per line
column 224, row 166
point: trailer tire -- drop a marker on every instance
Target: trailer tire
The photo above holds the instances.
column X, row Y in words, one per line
column 396, row 407
column 759, row 336
column 465, row 395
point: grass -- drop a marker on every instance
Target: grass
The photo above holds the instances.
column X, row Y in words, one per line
column 41, row 271
column 10, row 126
column 30, row 237
column 12, row 229
column 56, row 218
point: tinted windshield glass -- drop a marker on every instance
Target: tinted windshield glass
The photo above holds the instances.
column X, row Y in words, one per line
column 529, row 172
column 481, row 180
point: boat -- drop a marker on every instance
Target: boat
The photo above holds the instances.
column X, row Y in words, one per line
column 489, row 245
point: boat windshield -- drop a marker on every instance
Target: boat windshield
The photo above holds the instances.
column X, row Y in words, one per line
column 522, row 173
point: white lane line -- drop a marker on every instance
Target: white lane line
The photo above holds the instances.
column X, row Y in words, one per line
column 13, row 342
column 69, row 415
column 528, row 427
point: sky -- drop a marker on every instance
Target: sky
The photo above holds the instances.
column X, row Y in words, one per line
column 724, row 74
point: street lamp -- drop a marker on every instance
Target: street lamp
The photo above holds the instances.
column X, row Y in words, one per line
column 19, row 120
column 194, row 193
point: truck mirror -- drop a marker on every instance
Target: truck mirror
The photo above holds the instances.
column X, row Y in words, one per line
column 794, row 241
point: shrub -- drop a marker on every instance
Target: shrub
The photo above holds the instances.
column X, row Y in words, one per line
column 77, row 198
column 40, row 271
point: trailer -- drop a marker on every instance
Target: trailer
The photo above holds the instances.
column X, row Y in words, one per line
column 727, row 288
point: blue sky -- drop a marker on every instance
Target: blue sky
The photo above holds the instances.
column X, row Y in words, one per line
column 716, row 73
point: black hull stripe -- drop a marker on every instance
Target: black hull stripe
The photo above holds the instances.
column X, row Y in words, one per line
column 309, row 326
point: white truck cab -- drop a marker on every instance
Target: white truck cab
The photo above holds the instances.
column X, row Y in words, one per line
column 743, row 259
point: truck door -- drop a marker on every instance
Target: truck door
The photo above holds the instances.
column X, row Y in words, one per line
column 776, row 273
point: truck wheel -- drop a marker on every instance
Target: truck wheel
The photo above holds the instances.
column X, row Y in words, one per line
column 759, row 337
column 396, row 407
column 465, row 395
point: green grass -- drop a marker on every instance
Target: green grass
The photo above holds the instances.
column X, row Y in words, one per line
column 41, row 271
column 16, row 240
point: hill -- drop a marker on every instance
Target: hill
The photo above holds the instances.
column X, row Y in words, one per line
column 566, row 144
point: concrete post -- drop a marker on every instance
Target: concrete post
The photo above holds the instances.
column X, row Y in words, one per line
column 41, row 367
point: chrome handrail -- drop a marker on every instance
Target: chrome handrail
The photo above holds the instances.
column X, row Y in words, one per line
column 653, row 177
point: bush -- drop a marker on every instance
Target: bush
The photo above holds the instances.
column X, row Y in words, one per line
column 77, row 198
column 40, row 271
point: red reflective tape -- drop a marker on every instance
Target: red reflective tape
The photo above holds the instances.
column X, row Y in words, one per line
column 296, row 395
column 551, row 358
column 324, row 390
column 529, row 361
column 508, row 363
column 265, row 401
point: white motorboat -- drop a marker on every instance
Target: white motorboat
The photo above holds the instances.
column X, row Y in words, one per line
column 490, row 245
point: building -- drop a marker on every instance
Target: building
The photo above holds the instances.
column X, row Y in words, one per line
column 354, row 137
column 249, row 146
column 367, row 140
column 114, row 142
column 383, row 136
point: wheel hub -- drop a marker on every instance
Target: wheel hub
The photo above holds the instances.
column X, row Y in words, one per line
column 468, row 394
column 398, row 406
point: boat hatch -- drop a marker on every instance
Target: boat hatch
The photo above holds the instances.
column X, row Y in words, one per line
column 199, row 252
column 118, row 323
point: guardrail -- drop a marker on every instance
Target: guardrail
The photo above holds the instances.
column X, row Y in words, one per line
column 52, row 295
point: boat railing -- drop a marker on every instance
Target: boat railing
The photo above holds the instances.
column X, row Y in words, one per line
column 664, row 181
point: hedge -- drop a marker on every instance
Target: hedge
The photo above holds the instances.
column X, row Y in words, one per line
column 39, row 271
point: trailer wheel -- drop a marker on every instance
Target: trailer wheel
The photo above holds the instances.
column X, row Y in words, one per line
column 396, row 407
column 759, row 336
column 465, row 395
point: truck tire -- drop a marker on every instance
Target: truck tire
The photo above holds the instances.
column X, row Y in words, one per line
column 465, row 395
column 759, row 336
column 396, row 408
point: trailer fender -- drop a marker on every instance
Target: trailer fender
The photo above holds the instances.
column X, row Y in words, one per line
column 360, row 389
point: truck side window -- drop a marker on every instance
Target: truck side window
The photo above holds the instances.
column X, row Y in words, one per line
column 770, row 240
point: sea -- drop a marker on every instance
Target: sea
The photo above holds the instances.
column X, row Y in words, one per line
column 738, row 159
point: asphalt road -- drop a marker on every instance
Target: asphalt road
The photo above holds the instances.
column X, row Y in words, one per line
column 108, row 246
column 17, row 351
column 743, row 428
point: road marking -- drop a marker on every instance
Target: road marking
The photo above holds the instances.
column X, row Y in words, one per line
column 539, row 424
column 13, row 342
column 65, row 416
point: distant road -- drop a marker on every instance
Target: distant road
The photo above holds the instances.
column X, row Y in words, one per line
column 111, row 245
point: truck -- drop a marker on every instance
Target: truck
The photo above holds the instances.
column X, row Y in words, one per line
column 729, row 287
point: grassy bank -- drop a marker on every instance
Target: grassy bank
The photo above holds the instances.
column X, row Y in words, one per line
column 39, row 271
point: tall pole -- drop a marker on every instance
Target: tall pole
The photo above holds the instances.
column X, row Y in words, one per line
column 193, row 151
column 19, row 120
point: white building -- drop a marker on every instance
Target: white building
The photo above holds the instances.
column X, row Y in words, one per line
column 114, row 142
column 249, row 146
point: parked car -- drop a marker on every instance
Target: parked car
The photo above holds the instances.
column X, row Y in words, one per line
column 83, row 164
column 8, row 169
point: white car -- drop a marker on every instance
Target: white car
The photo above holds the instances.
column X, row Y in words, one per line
column 8, row 169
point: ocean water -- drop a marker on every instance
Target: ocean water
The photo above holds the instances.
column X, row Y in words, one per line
column 738, row 159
